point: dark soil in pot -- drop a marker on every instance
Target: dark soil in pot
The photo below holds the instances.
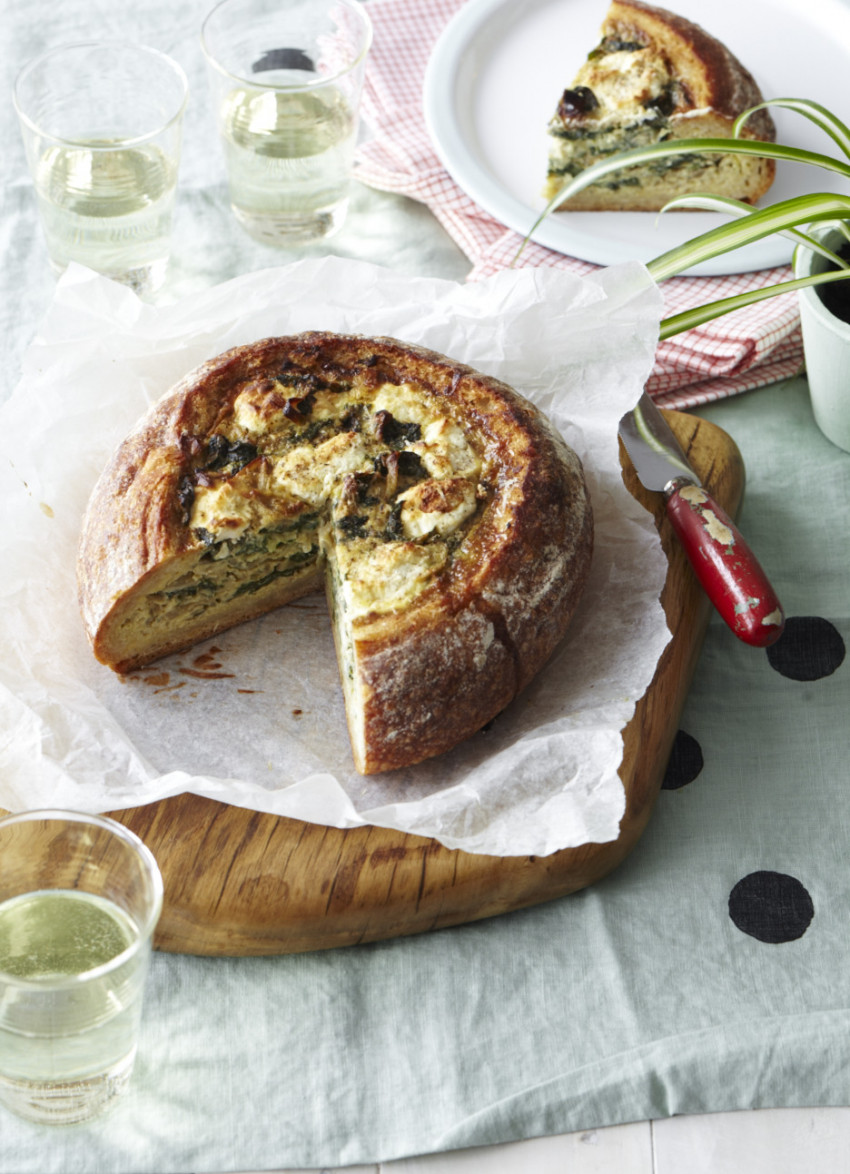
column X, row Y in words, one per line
column 835, row 295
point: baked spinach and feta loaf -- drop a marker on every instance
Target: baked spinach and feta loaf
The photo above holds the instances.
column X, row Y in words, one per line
column 449, row 523
column 656, row 77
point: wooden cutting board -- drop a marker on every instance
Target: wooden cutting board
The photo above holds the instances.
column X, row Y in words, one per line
column 243, row 883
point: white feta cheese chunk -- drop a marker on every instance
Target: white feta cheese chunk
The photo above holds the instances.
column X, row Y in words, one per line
column 437, row 506
column 228, row 508
column 387, row 576
column 444, row 450
column 309, row 472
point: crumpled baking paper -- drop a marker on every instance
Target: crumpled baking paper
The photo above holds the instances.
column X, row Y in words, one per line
column 254, row 717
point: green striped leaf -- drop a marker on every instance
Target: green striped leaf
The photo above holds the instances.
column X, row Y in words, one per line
column 810, row 209
column 699, row 315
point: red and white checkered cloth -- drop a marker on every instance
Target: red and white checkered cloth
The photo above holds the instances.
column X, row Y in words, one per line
column 741, row 351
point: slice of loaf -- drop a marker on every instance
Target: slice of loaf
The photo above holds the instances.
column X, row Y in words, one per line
column 656, row 77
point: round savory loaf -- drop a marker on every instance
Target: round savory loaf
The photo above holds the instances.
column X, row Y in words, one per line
column 450, row 524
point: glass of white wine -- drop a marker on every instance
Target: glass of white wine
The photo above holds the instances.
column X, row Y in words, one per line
column 80, row 897
column 101, row 123
column 286, row 78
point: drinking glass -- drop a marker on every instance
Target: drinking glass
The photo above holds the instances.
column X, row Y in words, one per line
column 80, row 896
column 101, row 123
column 286, row 77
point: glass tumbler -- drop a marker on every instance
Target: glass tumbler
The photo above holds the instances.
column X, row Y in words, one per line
column 80, row 896
column 286, row 78
column 101, row 124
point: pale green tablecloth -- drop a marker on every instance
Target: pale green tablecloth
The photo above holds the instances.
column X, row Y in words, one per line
column 640, row 997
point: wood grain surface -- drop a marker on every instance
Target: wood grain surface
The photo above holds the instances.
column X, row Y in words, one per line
column 243, row 883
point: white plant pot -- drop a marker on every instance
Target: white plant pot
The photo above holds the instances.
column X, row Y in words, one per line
column 826, row 345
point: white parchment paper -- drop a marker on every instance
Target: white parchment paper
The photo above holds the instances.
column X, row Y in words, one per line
column 255, row 717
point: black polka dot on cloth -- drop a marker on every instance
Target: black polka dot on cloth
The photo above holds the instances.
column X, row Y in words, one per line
column 808, row 649
column 685, row 762
column 771, row 906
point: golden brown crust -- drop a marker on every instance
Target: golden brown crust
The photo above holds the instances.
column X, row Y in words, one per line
column 434, row 673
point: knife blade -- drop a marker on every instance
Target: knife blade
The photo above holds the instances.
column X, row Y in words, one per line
column 729, row 572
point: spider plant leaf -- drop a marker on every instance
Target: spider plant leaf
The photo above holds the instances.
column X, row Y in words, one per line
column 699, row 315
column 737, row 208
column 762, row 222
column 708, row 146
column 837, row 130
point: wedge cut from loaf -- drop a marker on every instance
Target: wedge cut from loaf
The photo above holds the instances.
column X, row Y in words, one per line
column 449, row 522
column 656, row 77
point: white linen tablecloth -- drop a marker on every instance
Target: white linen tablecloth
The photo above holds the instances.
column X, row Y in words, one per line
column 710, row 972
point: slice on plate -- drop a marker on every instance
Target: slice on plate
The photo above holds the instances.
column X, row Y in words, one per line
column 656, row 77
column 450, row 525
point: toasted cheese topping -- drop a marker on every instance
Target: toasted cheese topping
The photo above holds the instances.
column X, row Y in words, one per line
column 224, row 511
column 310, row 472
column 437, row 507
column 266, row 406
column 444, row 450
column 229, row 506
column 388, row 576
column 627, row 86
column 406, row 402
column 379, row 477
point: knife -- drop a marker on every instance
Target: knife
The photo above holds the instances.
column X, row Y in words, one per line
column 723, row 562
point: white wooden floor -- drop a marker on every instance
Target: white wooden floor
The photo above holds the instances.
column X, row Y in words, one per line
column 769, row 1141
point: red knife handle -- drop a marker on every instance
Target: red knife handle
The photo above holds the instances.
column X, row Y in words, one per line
column 725, row 566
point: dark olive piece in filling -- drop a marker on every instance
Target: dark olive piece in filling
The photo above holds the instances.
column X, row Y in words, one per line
column 577, row 102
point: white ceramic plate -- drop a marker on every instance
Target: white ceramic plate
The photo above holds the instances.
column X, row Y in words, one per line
column 497, row 71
